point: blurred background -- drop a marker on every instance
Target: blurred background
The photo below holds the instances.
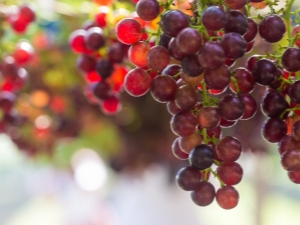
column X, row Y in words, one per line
column 64, row 161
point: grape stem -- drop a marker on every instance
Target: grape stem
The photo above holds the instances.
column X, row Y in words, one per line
column 204, row 133
column 204, row 93
column 289, row 110
column 287, row 19
column 235, row 82
column 216, row 176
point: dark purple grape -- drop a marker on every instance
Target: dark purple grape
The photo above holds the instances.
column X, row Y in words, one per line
column 251, row 62
column 204, row 194
column 213, row 18
column 188, row 178
column 94, row 38
column 231, row 107
column 201, row 157
column 104, row 68
column 234, row 45
column 173, row 108
column 252, row 30
column 217, row 79
column 9, row 68
column 287, row 143
column 264, row 71
column 186, row 97
column 163, row 88
column 189, row 40
column 211, row 55
column 250, row 46
column 173, row 21
column 290, row 160
column 229, row 149
column 276, row 83
column 274, row 104
column 272, row 28
column 172, row 70
column 226, row 123
column 158, row 58
column 175, row 51
column 296, row 131
column 230, row 173
column 177, row 151
column 102, row 90
column 86, row 63
column 183, row 123
column 227, row 197
column 250, row 106
column 147, row 9
column 291, row 59
column 294, row 176
column 209, row 117
column 294, row 92
column 244, row 79
column 191, row 66
column 117, row 52
column 235, row 22
column 7, row 100
column 274, row 130
column 164, row 40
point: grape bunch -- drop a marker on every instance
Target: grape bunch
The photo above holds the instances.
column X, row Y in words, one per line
column 194, row 53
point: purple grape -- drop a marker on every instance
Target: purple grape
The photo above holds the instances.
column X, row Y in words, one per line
column 264, row 71
column 173, row 21
column 236, row 22
column 291, row 59
column 211, row 55
column 183, row 123
column 274, row 130
column 213, row 18
column 188, row 178
column 201, row 157
column 234, row 45
column 272, row 28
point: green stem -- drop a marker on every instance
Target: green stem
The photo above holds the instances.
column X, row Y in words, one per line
column 204, row 93
column 287, row 18
column 236, row 84
column 216, row 176
column 204, row 133
column 289, row 110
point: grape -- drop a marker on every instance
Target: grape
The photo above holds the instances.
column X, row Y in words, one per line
column 94, row 38
column 147, row 9
column 23, row 53
column 186, row 97
column 264, row 71
column 104, row 68
column 195, row 81
column 236, row 4
column 250, row 46
column 76, row 41
column 187, row 144
column 137, row 82
column 244, row 80
column 230, row 173
column 294, row 92
column 296, row 131
column 274, row 104
column 274, row 129
column 214, row 132
column 276, row 83
column 111, row 105
column 102, row 90
column 86, row 63
column 129, row 31
column 189, row 40
column 158, row 58
column 211, row 55
column 177, row 151
column 9, row 69
column 296, row 30
column 173, row 21
column 251, row 62
column 204, row 194
column 290, row 160
column 163, row 88
column 213, row 18
column 252, row 30
column 173, row 108
column 259, row 5
column 208, row 117
column 294, row 176
column 217, row 79
column 250, row 106
column 191, row 66
column 272, row 28
column 227, row 197
column 172, row 70
column 235, row 22
column 7, row 100
column 234, row 45
column 291, row 59
column 164, row 40
column 226, row 123
column 201, row 157
column 183, row 123
column 26, row 14
column 188, row 178
column 100, row 19
column 138, row 52
column 116, row 52
column 229, row 149
column 231, row 107
column 287, row 143
column 175, row 51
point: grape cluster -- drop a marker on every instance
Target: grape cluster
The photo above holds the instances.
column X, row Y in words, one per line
column 193, row 56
